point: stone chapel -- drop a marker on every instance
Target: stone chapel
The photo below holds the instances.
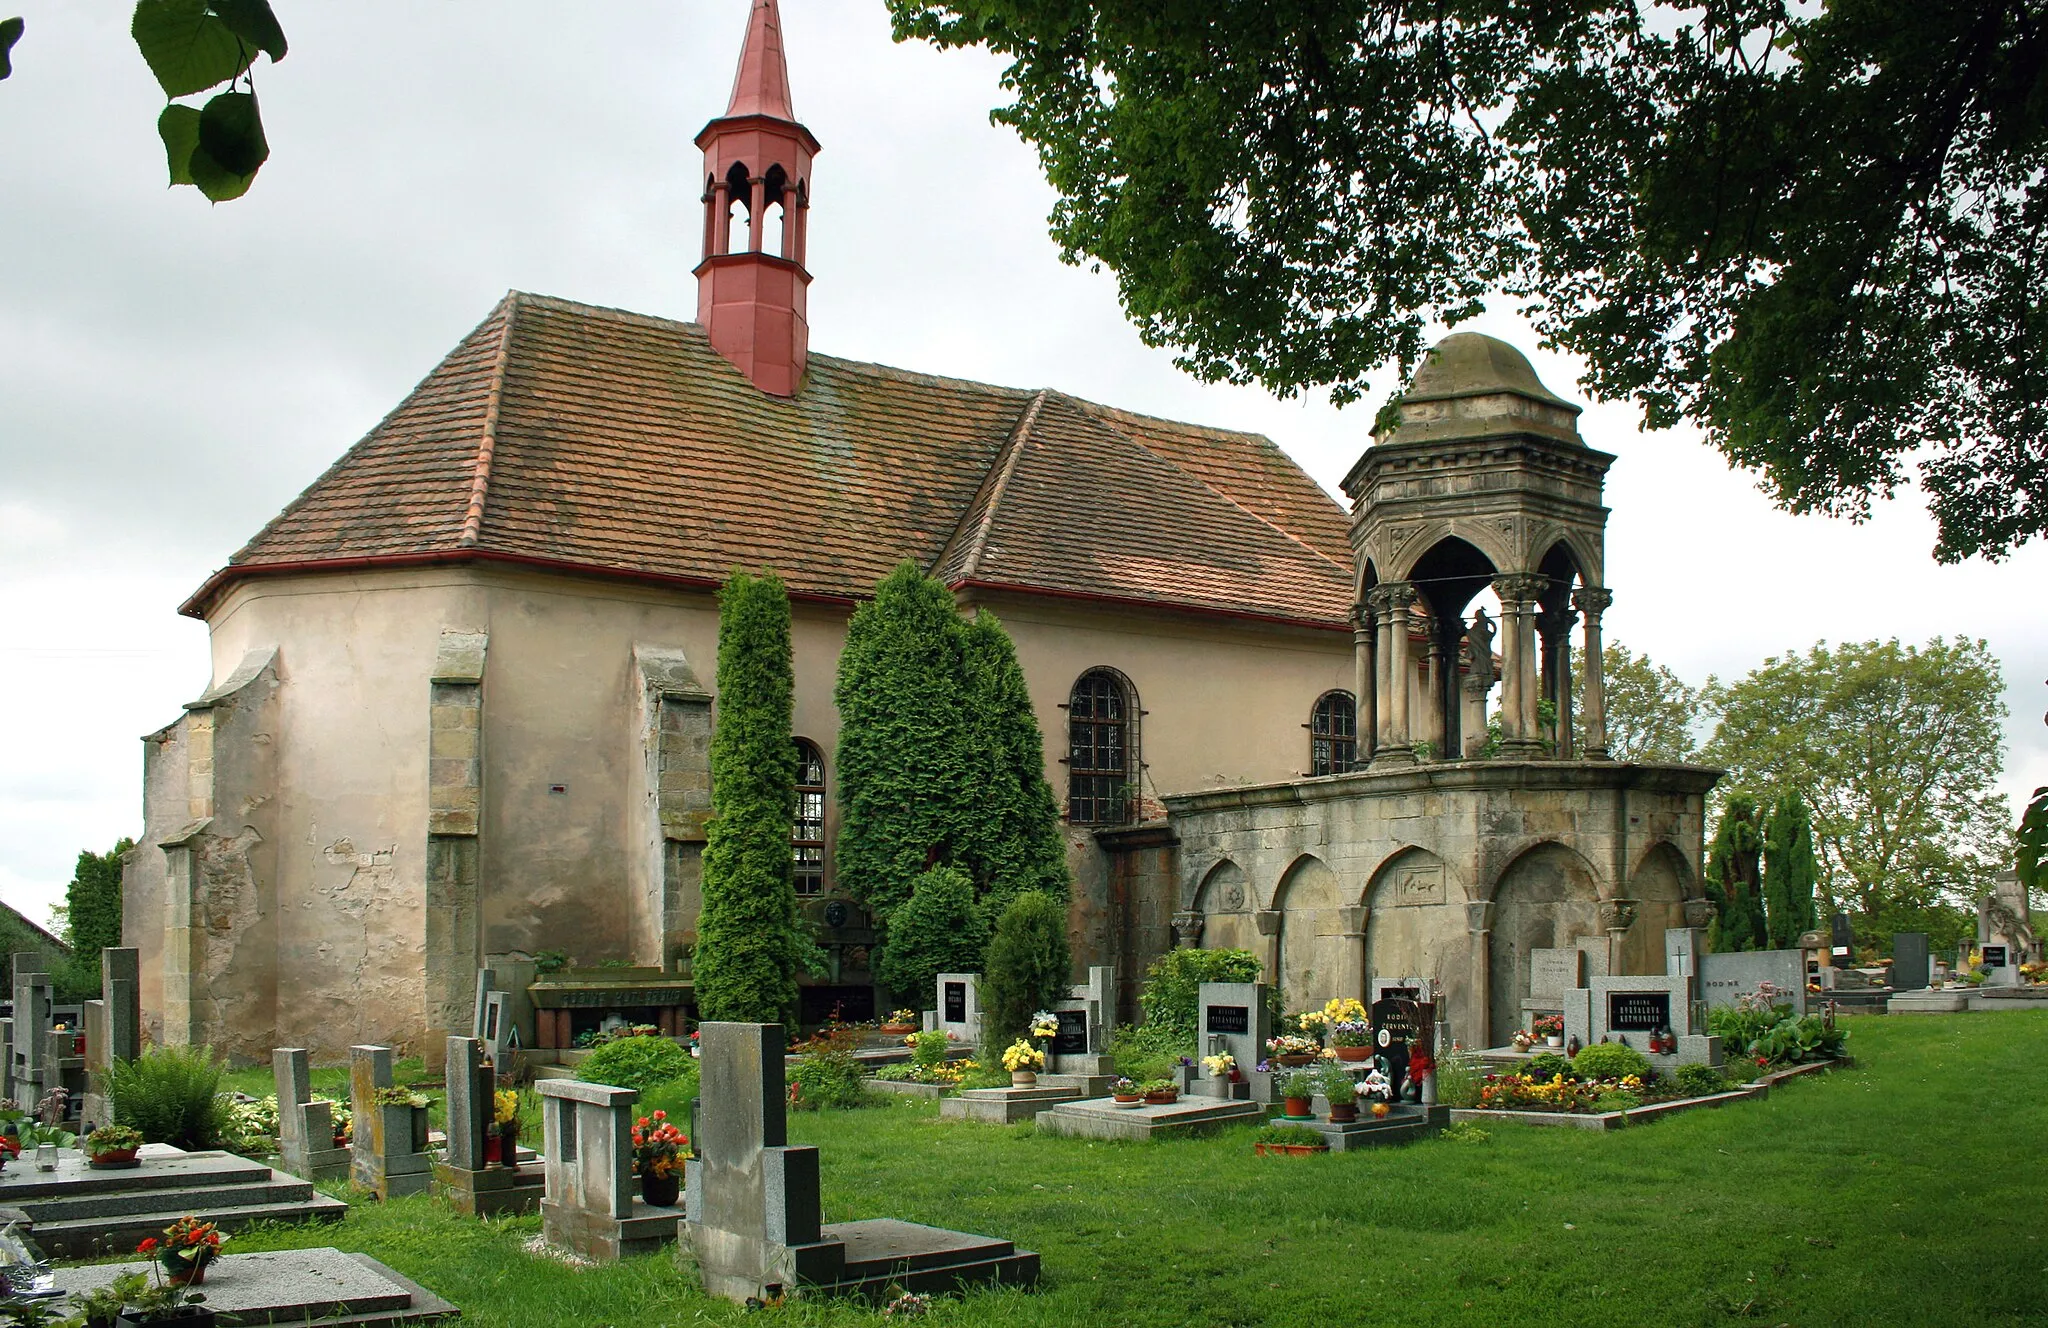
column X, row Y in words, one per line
column 463, row 685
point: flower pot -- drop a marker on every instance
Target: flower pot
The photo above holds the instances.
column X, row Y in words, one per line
column 1354, row 1054
column 1127, row 1100
column 114, row 1159
column 900, row 1030
column 1297, row 1107
column 660, row 1191
column 1554, row 1040
column 1023, row 1078
column 508, row 1136
column 78, row 1045
column 494, row 1150
column 1166, row 1098
column 1343, row 1115
column 1294, row 1060
column 185, row 1272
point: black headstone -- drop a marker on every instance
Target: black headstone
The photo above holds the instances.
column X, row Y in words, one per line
column 1909, row 960
column 1841, row 941
column 956, row 1003
column 1072, row 1039
column 1396, row 1023
column 1228, row 1019
column 1638, row 1011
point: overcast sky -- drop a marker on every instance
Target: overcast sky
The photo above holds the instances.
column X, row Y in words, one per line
column 172, row 373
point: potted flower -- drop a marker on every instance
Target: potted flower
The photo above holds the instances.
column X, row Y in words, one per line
column 112, row 1147
column 1342, row 1091
column 1159, row 1092
column 900, row 1021
column 1292, row 1049
column 1124, row 1093
column 1521, row 1040
column 658, row 1158
column 501, row 1140
column 1297, row 1093
column 342, row 1116
column 1288, row 1141
column 1045, row 1026
column 1352, row 1039
column 185, row 1249
column 170, row 1300
column 1222, row 1068
column 1023, row 1061
column 1549, row 1027
column 102, row 1306
column 404, row 1115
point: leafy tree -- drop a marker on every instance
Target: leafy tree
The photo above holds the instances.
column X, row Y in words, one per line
column 940, row 757
column 2030, row 861
column 1017, row 844
column 196, row 45
column 92, row 920
column 1650, row 710
column 941, row 928
column 1732, row 875
column 750, row 942
column 1027, row 967
column 1816, row 232
column 1173, row 985
column 1791, row 873
column 1896, row 750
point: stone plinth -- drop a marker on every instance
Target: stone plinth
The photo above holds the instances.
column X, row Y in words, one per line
column 589, row 1206
column 475, row 1187
column 1401, row 1125
column 305, row 1124
column 1003, row 1106
column 388, row 1153
column 1100, row 1118
column 318, row 1286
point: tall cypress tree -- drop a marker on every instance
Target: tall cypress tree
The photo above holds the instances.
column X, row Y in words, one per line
column 1791, row 873
column 1027, row 969
column 750, row 943
column 905, row 772
column 1017, row 845
column 1732, row 868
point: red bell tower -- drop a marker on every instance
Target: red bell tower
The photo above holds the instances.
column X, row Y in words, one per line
column 757, row 158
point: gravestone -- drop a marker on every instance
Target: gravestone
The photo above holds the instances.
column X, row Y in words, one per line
column 1235, row 1018
column 959, row 1008
column 1087, row 1018
column 1629, row 1009
column 1841, row 941
column 491, row 1023
column 1724, row 979
column 475, row 1186
column 113, row 1027
column 34, row 1013
column 1398, row 1023
column 1552, row 973
column 305, row 1124
column 590, row 1206
column 1910, row 971
column 755, row 1225
column 388, row 1143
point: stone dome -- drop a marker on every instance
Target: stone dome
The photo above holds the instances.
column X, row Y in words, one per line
column 1472, row 364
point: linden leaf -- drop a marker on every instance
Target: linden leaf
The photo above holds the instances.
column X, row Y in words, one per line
column 178, row 127
column 188, row 48
column 231, row 132
column 10, row 33
column 252, row 21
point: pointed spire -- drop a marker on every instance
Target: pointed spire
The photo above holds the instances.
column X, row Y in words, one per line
column 761, row 87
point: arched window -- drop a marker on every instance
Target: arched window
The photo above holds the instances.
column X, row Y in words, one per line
column 1333, row 734
column 1099, row 764
column 807, row 837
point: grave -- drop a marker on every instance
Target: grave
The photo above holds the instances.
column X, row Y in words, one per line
column 305, row 1124
column 1005, row 1106
column 959, row 1007
column 1402, row 1123
column 1841, row 942
column 1077, row 1061
column 2005, row 933
column 1101, row 1118
column 76, row 1212
column 1552, row 973
column 1724, row 979
column 1234, row 1019
column 317, row 1286
column 1630, row 1009
column 475, row 1186
column 590, row 1205
column 574, row 1002
column 754, row 1221
column 1911, row 970
column 492, row 1024
column 113, row 1028
column 29, row 1032
column 388, row 1144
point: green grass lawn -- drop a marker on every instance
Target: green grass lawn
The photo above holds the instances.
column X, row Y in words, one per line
column 1907, row 1191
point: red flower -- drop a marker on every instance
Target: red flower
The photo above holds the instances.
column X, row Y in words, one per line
column 148, row 1244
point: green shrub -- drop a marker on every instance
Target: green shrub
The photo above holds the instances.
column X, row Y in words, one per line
column 827, row 1078
column 1145, row 1051
column 1739, row 1026
column 1616, row 1100
column 1288, row 1134
column 672, row 1097
column 1700, row 1080
column 171, row 1094
column 1611, row 1060
column 638, row 1063
column 940, row 929
column 928, row 1050
column 1545, row 1066
column 1458, row 1077
column 1173, row 985
column 1027, row 969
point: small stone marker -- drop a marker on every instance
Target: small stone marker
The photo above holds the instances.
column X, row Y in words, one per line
column 305, row 1124
column 388, row 1150
column 33, row 1014
column 754, row 1221
column 113, row 1027
column 477, row 1188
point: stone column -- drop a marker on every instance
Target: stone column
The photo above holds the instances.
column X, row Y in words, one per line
column 1478, row 933
column 1187, row 930
column 1616, row 917
column 1435, row 731
column 1518, row 665
column 1592, row 601
column 1363, row 684
column 1555, row 628
column 1351, row 923
column 1396, row 671
column 1383, row 651
column 455, row 778
column 721, row 218
column 757, row 207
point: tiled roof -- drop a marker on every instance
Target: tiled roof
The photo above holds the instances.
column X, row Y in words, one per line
column 613, row 442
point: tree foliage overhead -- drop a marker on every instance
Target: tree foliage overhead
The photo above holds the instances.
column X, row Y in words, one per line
column 196, row 45
column 1896, row 750
column 1650, row 710
column 1818, row 232
column 750, row 942
column 91, row 920
column 940, row 757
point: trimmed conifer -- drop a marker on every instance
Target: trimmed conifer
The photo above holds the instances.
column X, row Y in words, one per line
column 1732, row 869
column 1791, row 872
column 751, row 945
column 1017, row 845
column 941, row 928
column 1027, row 968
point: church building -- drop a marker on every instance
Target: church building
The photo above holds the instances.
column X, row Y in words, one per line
column 464, row 685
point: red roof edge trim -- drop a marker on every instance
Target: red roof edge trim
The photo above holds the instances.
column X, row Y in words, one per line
column 203, row 599
column 1162, row 606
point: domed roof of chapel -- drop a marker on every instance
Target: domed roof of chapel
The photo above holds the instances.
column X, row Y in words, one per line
column 1472, row 364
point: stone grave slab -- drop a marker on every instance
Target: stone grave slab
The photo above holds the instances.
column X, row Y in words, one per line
column 884, row 1253
column 1725, row 979
column 1003, row 1106
column 1401, row 1124
column 317, row 1286
column 1911, row 969
column 1101, row 1118
column 1947, row 1000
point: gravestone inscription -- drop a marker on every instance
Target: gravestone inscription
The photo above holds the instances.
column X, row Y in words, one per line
column 1638, row 1011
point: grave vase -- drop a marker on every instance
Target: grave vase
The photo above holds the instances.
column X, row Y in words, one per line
column 1023, row 1078
column 660, row 1191
column 1344, row 1113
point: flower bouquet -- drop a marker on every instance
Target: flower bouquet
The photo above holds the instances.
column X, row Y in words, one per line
column 1352, row 1039
column 658, row 1159
column 1045, row 1024
column 1292, row 1049
column 900, row 1021
column 187, row 1246
column 1549, row 1027
column 1023, row 1061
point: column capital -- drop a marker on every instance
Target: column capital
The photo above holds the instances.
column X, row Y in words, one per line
column 1268, row 921
column 1351, row 921
column 1362, row 620
column 1618, row 914
column 1479, row 916
column 1699, row 912
column 1187, row 929
column 1592, row 600
column 1391, row 596
column 1520, row 588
